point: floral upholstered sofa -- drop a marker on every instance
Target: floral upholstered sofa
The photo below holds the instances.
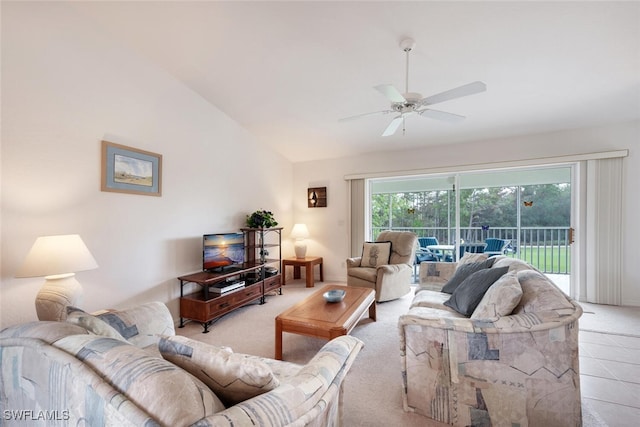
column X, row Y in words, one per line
column 499, row 347
column 127, row 368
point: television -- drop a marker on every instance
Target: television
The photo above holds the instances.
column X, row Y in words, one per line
column 222, row 251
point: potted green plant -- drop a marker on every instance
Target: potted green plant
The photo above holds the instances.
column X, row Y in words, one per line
column 261, row 219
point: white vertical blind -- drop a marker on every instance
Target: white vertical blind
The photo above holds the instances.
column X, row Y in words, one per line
column 357, row 216
column 604, row 231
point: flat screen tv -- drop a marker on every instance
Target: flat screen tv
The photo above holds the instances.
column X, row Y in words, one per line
column 222, row 250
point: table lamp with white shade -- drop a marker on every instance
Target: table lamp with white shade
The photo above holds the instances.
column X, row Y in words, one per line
column 57, row 258
column 300, row 232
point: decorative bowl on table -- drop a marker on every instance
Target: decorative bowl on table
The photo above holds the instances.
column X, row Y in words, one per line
column 334, row 295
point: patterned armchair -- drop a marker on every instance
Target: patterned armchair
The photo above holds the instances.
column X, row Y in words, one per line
column 512, row 370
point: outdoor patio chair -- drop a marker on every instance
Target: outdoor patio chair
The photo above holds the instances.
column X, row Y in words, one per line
column 495, row 246
column 424, row 243
column 424, row 254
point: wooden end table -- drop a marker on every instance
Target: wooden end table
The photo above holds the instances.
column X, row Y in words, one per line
column 307, row 263
column 315, row 317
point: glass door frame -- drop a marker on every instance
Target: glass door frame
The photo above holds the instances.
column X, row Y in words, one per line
column 456, row 176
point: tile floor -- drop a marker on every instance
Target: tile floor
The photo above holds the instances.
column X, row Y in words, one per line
column 610, row 363
column 609, row 360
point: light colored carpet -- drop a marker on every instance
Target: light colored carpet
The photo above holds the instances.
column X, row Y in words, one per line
column 372, row 387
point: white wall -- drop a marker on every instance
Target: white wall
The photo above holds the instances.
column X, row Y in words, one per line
column 66, row 87
column 329, row 227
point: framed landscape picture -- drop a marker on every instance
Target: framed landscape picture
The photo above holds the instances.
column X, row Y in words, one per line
column 129, row 170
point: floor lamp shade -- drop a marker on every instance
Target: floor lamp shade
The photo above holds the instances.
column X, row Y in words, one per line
column 300, row 232
column 57, row 258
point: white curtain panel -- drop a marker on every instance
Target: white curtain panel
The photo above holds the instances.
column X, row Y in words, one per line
column 357, row 216
column 604, row 238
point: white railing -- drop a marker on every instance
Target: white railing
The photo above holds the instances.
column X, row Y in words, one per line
column 546, row 248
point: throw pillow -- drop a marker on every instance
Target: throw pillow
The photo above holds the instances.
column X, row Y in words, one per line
column 141, row 325
column 501, row 298
column 539, row 293
column 167, row 393
column 232, row 377
column 471, row 257
column 514, row 264
column 469, row 293
column 462, row 272
column 92, row 324
column 375, row 254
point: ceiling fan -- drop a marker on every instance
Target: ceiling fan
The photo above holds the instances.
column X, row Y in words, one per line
column 411, row 103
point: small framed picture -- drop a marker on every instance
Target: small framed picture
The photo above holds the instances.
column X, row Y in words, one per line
column 129, row 170
column 317, row 197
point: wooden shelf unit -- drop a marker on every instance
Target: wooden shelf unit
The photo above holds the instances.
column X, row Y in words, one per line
column 204, row 306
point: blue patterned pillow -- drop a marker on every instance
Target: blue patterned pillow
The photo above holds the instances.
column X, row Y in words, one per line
column 231, row 376
column 141, row 325
column 169, row 394
column 91, row 323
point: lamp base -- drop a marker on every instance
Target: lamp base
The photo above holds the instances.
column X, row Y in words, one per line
column 300, row 248
column 56, row 294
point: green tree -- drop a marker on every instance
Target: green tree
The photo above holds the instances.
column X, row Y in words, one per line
column 547, row 205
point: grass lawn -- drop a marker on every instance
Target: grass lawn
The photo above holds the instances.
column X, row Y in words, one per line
column 546, row 259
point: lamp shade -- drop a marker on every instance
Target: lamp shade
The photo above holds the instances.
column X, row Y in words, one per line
column 53, row 255
column 300, row 231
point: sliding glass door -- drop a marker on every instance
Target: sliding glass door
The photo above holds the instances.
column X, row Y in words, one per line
column 425, row 205
column 528, row 209
column 531, row 208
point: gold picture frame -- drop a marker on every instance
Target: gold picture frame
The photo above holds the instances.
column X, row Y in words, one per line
column 130, row 170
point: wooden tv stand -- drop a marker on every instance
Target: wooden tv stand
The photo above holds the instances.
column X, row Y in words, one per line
column 205, row 306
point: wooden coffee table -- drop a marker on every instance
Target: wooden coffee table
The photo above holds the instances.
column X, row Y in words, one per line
column 315, row 317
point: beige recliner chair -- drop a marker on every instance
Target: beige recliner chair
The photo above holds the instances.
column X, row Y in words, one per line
column 390, row 279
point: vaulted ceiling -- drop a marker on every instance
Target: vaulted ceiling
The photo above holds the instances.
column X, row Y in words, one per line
column 288, row 71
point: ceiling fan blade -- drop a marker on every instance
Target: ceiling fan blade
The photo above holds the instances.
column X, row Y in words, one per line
column 466, row 90
column 358, row 116
column 391, row 93
column 393, row 126
column 441, row 115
